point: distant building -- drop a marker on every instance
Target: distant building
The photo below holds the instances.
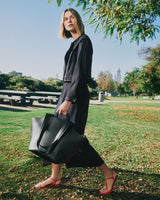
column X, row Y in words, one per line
column 118, row 76
column 0, row 72
column 16, row 73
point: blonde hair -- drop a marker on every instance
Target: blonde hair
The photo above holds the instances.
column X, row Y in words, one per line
column 63, row 33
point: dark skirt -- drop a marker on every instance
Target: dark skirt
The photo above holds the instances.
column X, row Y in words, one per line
column 78, row 113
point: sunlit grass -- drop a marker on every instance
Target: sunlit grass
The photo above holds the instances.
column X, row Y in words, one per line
column 126, row 135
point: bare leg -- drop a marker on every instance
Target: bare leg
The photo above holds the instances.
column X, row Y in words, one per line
column 108, row 173
column 56, row 171
column 55, row 177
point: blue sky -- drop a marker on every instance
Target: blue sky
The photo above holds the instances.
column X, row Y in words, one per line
column 29, row 43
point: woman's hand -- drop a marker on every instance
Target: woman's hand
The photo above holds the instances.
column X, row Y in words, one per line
column 64, row 107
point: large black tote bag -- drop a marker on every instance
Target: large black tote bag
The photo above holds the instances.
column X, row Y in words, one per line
column 55, row 139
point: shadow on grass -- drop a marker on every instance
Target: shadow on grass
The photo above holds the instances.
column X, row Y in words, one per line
column 50, row 106
column 88, row 193
column 9, row 196
column 114, row 195
column 26, row 108
column 13, row 109
column 122, row 190
column 131, row 185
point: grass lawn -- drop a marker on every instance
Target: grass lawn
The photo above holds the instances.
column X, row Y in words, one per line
column 126, row 135
column 132, row 98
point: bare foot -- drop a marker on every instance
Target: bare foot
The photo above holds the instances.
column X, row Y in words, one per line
column 50, row 182
column 109, row 183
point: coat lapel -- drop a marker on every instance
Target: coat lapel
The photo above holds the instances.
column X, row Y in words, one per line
column 66, row 65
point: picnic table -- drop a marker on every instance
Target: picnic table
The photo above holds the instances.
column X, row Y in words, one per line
column 24, row 98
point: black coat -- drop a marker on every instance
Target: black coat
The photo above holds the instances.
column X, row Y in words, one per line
column 77, row 74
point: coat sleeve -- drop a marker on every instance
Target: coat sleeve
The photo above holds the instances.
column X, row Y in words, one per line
column 82, row 70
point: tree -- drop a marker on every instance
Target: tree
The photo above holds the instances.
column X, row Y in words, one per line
column 145, row 79
column 135, row 81
column 101, row 81
column 151, row 54
column 152, row 70
column 54, row 84
column 125, row 85
column 121, row 89
column 4, row 79
column 109, row 83
column 92, row 86
column 136, row 17
column 23, row 83
column 105, row 82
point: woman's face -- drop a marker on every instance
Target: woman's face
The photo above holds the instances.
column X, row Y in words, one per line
column 70, row 21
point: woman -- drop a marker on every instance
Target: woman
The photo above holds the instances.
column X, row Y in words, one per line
column 74, row 99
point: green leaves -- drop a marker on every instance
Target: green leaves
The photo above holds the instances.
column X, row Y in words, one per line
column 136, row 17
column 58, row 2
column 147, row 79
column 24, row 83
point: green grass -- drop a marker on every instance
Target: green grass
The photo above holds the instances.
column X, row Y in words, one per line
column 126, row 135
column 132, row 98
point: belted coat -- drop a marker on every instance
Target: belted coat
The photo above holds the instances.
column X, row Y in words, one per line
column 77, row 74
